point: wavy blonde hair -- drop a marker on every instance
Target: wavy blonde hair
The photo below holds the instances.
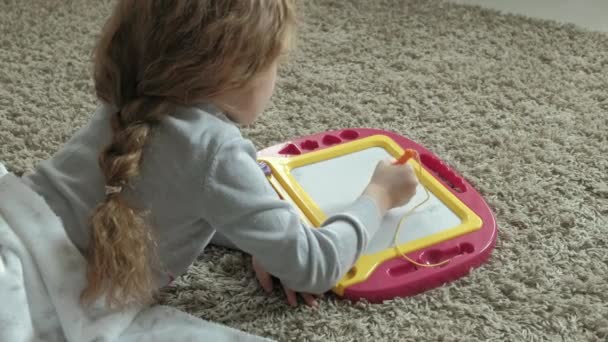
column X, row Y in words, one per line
column 152, row 56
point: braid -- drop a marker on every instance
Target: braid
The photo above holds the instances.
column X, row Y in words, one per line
column 121, row 244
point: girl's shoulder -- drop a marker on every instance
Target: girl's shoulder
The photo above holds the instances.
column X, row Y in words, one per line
column 204, row 127
column 195, row 134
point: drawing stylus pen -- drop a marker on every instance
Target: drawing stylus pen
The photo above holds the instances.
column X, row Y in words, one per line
column 409, row 153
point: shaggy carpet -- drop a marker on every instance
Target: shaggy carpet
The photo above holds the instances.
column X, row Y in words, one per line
column 518, row 106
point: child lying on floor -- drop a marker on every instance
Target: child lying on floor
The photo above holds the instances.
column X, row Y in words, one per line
column 161, row 169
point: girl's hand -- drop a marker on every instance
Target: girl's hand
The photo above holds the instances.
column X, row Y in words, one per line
column 392, row 185
column 265, row 280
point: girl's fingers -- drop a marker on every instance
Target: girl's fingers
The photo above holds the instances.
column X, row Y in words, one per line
column 265, row 280
column 263, row 277
column 291, row 296
column 310, row 300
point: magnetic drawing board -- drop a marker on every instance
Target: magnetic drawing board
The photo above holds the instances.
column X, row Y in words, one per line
column 328, row 180
column 293, row 168
column 336, row 183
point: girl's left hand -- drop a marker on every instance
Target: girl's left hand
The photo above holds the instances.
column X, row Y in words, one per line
column 265, row 280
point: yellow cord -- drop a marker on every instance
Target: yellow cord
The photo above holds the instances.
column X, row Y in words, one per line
column 405, row 216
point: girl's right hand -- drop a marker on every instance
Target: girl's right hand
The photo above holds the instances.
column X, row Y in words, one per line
column 392, row 185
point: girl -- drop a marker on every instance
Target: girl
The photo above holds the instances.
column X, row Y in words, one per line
column 161, row 168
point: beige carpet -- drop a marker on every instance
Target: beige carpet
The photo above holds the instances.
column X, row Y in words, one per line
column 519, row 106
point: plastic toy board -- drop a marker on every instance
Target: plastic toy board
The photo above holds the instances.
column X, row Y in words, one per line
column 324, row 173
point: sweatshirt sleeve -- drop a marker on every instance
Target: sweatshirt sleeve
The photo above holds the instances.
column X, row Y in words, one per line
column 240, row 203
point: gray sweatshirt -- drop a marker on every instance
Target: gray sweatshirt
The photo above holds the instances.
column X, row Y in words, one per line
column 199, row 177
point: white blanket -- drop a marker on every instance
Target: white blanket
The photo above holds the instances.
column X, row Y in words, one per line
column 42, row 274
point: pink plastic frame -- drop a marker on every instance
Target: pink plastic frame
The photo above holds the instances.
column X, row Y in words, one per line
column 397, row 277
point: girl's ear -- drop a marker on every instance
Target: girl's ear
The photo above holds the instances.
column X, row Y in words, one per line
column 245, row 104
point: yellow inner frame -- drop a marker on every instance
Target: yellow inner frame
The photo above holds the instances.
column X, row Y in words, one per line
column 289, row 188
